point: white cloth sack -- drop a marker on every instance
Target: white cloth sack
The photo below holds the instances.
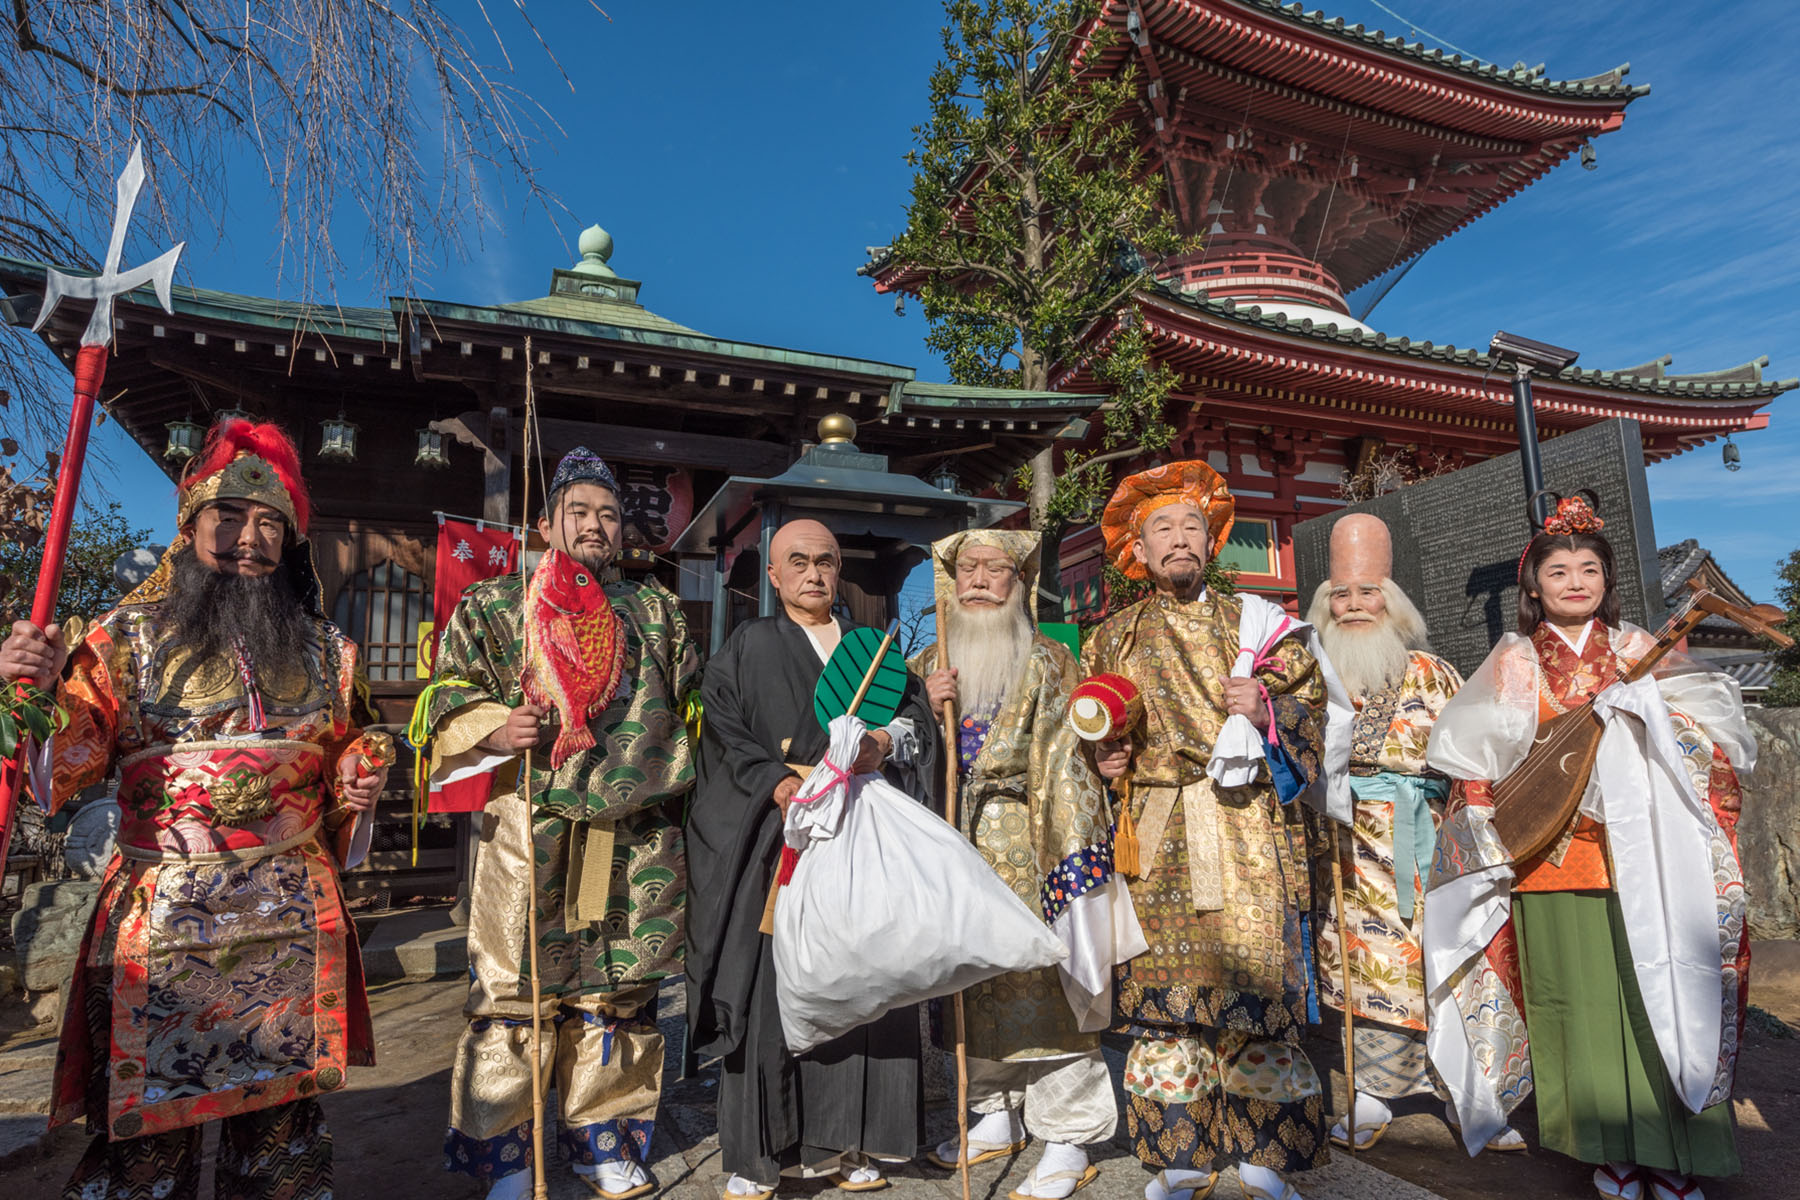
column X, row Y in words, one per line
column 1238, row 756
column 888, row 906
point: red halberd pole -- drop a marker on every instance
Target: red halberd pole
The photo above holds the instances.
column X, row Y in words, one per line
column 90, row 370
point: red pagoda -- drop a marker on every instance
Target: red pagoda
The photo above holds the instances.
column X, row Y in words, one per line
column 1317, row 161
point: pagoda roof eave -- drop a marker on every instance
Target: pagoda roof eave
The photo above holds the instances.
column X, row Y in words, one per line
column 1400, row 54
column 1695, row 390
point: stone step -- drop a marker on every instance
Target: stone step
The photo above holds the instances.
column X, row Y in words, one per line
column 424, row 944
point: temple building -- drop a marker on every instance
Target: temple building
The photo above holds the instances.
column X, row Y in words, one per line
column 416, row 409
column 1317, row 162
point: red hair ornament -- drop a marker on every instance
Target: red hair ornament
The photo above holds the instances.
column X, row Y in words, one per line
column 1573, row 514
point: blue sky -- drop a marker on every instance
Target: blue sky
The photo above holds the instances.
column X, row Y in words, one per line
column 743, row 156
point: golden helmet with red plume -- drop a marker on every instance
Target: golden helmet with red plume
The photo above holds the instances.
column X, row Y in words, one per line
column 245, row 461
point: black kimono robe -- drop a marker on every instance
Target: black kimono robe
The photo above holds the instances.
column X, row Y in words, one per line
column 863, row 1091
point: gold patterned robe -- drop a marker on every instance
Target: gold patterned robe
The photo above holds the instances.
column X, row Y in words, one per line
column 1219, row 1003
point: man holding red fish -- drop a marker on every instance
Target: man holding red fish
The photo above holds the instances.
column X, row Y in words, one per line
column 589, row 671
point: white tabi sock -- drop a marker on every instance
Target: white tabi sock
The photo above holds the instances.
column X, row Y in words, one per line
column 617, row 1176
column 1058, row 1158
column 1181, row 1185
column 1262, row 1181
column 1372, row 1113
column 516, row 1186
column 1004, row 1128
column 737, row 1185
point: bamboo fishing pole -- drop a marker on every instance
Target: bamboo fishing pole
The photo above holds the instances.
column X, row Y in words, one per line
column 952, row 769
column 540, row 1184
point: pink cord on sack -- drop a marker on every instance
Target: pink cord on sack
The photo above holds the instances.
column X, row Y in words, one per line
column 842, row 779
column 1262, row 658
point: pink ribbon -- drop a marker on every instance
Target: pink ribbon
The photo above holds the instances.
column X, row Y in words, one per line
column 1262, row 658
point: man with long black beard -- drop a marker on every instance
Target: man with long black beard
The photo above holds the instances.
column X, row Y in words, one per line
column 1033, row 806
column 1375, row 638
column 220, row 978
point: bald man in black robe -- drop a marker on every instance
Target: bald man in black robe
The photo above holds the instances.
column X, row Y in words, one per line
column 858, row 1099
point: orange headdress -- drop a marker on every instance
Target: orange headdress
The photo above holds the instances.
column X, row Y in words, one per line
column 242, row 461
column 1140, row 495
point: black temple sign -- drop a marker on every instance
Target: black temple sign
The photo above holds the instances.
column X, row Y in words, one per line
column 1458, row 537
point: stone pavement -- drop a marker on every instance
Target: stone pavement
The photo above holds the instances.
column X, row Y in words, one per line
column 388, row 1125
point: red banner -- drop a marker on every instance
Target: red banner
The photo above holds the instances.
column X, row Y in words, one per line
column 466, row 553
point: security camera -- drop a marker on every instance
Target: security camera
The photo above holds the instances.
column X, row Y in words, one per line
column 1541, row 357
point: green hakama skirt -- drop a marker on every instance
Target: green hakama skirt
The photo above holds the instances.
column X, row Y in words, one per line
column 1603, row 1094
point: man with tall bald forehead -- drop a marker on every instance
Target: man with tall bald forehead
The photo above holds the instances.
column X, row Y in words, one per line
column 1375, row 638
column 856, row 1101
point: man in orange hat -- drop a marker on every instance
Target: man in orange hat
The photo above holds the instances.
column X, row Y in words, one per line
column 1375, row 639
column 1237, row 726
column 220, row 978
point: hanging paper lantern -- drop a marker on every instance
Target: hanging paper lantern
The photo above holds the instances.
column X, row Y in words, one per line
column 433, row 451
column 338, row 443
column 185, row 438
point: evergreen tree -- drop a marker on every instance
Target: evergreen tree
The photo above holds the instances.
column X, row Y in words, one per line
column 1031, row 219
column 1784, row 690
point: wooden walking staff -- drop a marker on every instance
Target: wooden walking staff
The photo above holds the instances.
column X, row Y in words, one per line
column 952, row 765
column 1337, row 889
column 90, row 370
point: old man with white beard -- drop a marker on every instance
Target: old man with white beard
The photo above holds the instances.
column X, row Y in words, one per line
column 1375, row 638
column 1036, row 810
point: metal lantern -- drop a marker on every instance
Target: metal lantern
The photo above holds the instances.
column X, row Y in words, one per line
column 1732, row 458
column 185, row 438
column 433, row 450
column 231, row 414
column 338, row 443
column 945, row 480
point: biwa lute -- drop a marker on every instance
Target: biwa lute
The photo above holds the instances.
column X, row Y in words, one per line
column 1534, row 804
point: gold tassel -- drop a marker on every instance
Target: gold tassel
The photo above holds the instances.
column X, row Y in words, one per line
column 1125, row 839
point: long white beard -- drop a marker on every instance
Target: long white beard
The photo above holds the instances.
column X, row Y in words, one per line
column 1369, row 658
column 989, row 647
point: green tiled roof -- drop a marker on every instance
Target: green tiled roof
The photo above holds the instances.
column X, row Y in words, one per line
column 1609, row 86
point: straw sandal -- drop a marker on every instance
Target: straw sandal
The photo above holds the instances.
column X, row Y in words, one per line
column 1082, row 1178
column 1619, row 1185
column 642, row 1189
column 1674, row 1187
column 1252, row 1192
column 1201, row 1188
column 844, row 1183
column 979, row 1152
column 1375, row 1132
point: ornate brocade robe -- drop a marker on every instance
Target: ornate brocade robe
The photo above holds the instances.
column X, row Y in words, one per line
column 1243, row 967
column 606, row 825
column 1389, row 737
column 220, row 974
column 1479, row 1039
column 1036, row 810
column 1219, row 1002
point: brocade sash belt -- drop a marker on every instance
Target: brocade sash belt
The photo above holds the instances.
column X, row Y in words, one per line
column 1200, row 808
column 1415, row 837
column 243, row 854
